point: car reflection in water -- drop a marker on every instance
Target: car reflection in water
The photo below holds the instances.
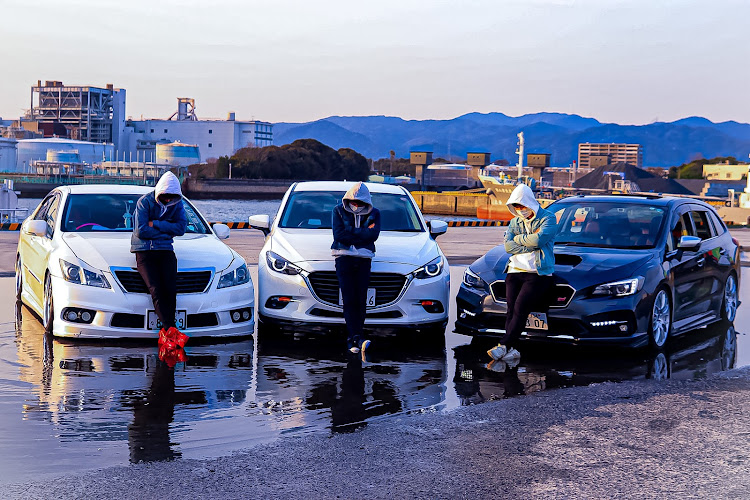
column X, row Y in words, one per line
column 316, row 375
column 122, row 392
column 703, row 352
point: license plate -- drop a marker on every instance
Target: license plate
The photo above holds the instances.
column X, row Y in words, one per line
column 370, row 297
column 537, row 321
column 154, row 323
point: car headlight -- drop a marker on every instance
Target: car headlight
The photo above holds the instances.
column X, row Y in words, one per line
column 430, row 270
column 235, row 277
column 472, row 280
column 74, row 273
column 619, row 288
column 280, row 264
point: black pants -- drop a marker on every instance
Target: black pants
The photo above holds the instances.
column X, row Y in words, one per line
column 158, row 269
column 354, row 278
column 524, row 293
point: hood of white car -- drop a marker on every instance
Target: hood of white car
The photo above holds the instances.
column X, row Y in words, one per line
column 105, row 250
column 310, row 245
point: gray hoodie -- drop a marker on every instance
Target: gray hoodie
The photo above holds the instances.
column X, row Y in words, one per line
column 358, row 192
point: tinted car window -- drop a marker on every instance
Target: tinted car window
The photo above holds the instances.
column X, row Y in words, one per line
column 717, row 223
column 682, row 227
column 608, row 224
column 702, row 226
column 114, row 212
column 312, row 210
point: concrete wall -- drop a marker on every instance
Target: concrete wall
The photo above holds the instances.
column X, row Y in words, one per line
column 461, row 204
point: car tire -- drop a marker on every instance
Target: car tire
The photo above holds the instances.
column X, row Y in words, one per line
column 48, row 307
column 729, row 302
column 19, row 279
column 660, row 322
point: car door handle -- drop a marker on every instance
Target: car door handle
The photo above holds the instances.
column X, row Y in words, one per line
column 701, row 261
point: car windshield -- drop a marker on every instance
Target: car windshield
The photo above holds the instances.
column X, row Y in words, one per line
column 312, row 210
column 115, row 212
column 607, row 224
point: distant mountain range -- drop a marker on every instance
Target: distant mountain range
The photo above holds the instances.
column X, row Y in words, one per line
column 664, row 144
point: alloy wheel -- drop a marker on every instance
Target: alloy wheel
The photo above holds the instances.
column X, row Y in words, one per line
column 48, row 306
column 661, row 319
column 659, row 368
column 19, row 279
column 730, row 298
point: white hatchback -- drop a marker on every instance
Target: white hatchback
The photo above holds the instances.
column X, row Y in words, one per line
column 75, row 270
column 297, row 283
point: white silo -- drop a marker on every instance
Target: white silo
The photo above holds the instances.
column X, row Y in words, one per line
column 177, row 154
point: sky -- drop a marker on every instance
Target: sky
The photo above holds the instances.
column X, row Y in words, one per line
column 620, row 61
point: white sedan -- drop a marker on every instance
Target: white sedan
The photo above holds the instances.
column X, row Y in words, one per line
column 297, row 283
column 74, row 269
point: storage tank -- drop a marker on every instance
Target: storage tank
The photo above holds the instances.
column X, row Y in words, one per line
column 177, row 154
column 64, row 156
column 30, row 150
column 8, row 153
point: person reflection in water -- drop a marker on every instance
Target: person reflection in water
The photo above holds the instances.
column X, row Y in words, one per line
column 148, row 435
column 348, row 409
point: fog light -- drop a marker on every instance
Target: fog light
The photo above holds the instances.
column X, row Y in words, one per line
column 432, row 306
column 623, row 328
column 75, row 315
column 278, row 302
column 246, row 314
column 236, row 316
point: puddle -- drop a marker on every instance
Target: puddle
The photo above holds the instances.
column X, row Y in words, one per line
column 67, row 406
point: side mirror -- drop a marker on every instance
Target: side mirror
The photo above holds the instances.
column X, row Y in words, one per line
column 221, row 231
column 35, row 228
column 260, row 222
column 689, row 243
column 437, row 227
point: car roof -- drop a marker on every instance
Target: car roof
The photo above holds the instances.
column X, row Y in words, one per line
column 374, row 187
column 653, row 201
column 105, row 189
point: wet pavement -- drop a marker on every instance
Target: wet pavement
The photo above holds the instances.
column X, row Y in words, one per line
column 69, row 406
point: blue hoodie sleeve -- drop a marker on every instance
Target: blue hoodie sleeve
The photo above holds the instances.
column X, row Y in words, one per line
column 142, row 215
column 365, row 234
column 175, row 226
column 342, row 232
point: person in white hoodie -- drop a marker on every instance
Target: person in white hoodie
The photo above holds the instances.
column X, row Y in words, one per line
column 159, row 217
column 530, row 240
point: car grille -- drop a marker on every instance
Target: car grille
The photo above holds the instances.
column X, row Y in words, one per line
column 187, row 281
column 559, row 297
column 387, row 286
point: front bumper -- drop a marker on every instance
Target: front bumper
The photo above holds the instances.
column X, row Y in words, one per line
column 306, row 310
column 211, row 309
column 582, row 321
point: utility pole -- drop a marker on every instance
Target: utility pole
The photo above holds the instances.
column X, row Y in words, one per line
column 230, row 170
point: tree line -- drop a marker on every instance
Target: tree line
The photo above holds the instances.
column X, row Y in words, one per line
column 303, row 159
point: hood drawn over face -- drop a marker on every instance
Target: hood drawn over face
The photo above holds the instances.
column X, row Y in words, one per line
column 358, row 192
column 522, row 195
column 168, row 184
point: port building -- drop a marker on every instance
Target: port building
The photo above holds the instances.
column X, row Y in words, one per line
column 213, row 138
column 591, row 155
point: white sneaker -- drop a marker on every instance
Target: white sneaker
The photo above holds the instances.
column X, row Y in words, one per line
column 512, row 354
column 497, row 352
column 354, row 350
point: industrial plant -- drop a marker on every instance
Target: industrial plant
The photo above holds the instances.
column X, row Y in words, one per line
column 83, row 130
